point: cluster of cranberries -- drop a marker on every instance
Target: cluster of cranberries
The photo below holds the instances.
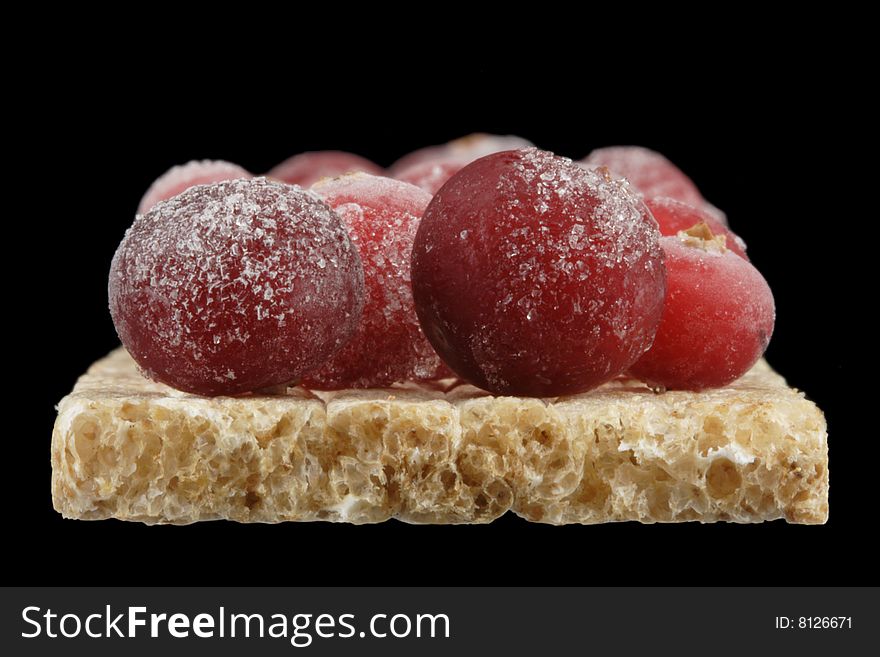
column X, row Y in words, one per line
column 515, row 269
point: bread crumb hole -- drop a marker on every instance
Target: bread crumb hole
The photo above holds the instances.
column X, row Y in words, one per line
column 586, row 494
column 498, row 490
column 84, row 437
column 283, row 427
column 448, row 478
column 392, row 487
column 534, row 512
column 132, row 412
column 713, row 424
column 711, row 440
column 251, row 499
column 723, row 478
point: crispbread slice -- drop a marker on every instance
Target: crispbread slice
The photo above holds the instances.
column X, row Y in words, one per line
column 128, row 448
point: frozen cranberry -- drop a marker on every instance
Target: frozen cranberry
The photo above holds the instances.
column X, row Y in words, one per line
column 674, row 216
column 430, row 175
column 382, row 216
column 534, row 276
column 438, row 153
column 463, row 150
column 180, row 178
column 235, row 286
column 717, row 320
column 648, row 171
column 308, row 168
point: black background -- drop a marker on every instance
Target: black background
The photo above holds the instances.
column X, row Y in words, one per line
column 752, row 139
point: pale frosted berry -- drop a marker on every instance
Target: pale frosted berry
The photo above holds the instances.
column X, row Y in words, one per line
column 717, row 320
column 235, row 286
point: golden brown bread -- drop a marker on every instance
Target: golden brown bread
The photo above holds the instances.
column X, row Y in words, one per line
column 124, row 447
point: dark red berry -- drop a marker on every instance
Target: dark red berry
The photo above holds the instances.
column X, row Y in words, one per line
column 534, row 276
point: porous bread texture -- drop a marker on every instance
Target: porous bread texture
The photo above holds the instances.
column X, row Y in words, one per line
column 125, row 447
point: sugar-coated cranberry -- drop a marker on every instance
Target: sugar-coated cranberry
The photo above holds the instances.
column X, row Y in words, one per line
column 674, row 216
column 382, row 216
column 648, row 171
column 717, row 320
column 462, row 150
column 306, row 169
column 430, row 175
column 235, row 286
column 181, row 177
column 534, row 276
